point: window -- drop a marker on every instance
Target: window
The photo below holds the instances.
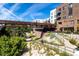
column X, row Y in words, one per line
column 72, row 22
column 59, row 9
column 54, row 16
column 70, row 9
column 51, row 17
column 51, row 13
column 60, row 22
column 70, row 16
column 70, row 5
column 63, row 8
column 77, row 28
column 64, row 17
column 78, row 21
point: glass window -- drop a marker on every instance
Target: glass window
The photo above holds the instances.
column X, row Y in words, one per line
column 78, row 21
column 51, row 17
column 59, row 9
column 70, row 5
column 63, row 8
column 70, row 9
column 51, row 13
column 64, row 17
column 55, row 16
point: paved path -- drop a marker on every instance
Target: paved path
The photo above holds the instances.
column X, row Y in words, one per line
column 76, row 36
column 33, row 51
column 66, row 42
column 68, row 45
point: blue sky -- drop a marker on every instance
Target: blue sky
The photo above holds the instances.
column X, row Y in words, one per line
column 26, row 11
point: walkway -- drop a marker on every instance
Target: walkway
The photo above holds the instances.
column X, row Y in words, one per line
column 67, row 46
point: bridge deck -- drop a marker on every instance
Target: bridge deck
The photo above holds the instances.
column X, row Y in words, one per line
column 32, row 24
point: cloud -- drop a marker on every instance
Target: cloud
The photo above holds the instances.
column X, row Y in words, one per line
column 14, row 7
column 34, row 8
column 11, row 10
column 37, row 14
column 34, row 15
column 2, row 4
column 6, row 14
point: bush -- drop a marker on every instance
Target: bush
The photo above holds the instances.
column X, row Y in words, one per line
column 77, row 45
column 18, row 31
column 56, row 50
column 29, row 29
column 73, row 41
column 11, row 46
column 64, row 54
column 50, row 54
column 3, row 31
column 12, row 41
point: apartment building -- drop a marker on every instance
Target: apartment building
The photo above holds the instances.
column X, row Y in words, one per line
column 67, row 16
column 53, row 16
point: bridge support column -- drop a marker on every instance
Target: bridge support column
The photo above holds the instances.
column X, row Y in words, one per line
column 33, row 29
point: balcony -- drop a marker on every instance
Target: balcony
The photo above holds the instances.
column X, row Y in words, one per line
column 58, row 13
column 77, row 25
column 58, row 18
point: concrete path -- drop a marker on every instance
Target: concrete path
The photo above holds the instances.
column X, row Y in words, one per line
column 67, row 44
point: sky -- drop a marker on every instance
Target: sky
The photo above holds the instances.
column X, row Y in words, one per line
column 26, row 11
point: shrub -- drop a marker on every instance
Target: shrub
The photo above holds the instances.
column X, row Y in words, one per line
column 49, row 33
column 64, row 54
column 56, row 50
column 29, row 29
column 11, row 46
column 18, row 31
column 3, row 31
column 77, row 45
column 50, row 54
column 73, row 41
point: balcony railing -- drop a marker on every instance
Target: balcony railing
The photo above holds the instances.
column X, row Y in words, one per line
column 58, row 18
column 58, row 13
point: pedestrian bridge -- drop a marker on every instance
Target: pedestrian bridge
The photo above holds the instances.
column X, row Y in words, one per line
column 35, row 25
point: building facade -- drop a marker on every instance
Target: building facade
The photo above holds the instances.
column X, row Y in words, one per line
column 53, row 16
column 67, row 16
